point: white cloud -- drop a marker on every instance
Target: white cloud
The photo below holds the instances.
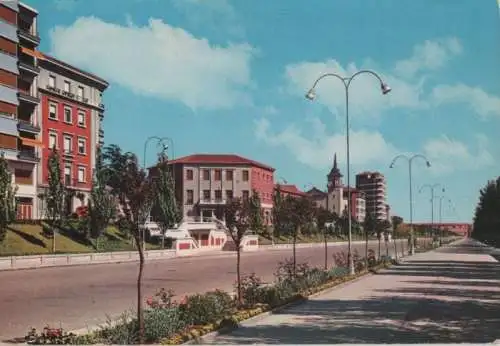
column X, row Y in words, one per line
column 481, row 102
column 430, row 55
column 158, row 60
column 448, row 155
column 317, row 149
column 64, row 5
column 218, row 14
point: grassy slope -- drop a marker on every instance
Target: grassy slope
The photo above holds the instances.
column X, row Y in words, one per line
column 30, row 240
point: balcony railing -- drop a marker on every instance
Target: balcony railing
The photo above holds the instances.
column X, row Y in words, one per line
column 212, row 201
column 28, row 66
column 28, row 126
column 74, row 183
column 28, row 155
column 25, row 33
column 101, row 133
column 23, row 96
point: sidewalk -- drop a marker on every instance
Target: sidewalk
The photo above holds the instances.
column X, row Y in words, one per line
column 448, row 295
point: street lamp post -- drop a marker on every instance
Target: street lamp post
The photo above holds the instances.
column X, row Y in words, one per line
column 160, row 141
column 410, row 161
column 311, row 95
column 432, row 188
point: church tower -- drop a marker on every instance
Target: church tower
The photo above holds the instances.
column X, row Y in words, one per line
column 334, row 177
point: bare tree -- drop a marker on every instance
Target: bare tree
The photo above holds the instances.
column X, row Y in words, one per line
column 323, row 217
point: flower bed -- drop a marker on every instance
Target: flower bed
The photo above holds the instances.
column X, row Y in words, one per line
column 171, row 322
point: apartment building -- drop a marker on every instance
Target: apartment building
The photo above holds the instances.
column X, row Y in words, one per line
column 19, row 100
column 373, row 186
column 72, row 111
column 203, row 182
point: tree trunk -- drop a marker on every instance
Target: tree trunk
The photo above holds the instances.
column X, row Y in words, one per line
column 53, row 224
column 238, row 274
column 379, row 246
column 386, row 248
column 326, row 250
column 294, row 256
column 162, row 239
column 140, row 312
column 366, row 250
column 395, row 248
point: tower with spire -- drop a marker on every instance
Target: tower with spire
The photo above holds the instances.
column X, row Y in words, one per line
column 334, row 177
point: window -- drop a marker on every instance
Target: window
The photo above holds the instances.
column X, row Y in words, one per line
column 82, row 146
column 52, row 111
column 245, row 175
column 189, row 174
column 229, row 194
column 206, row 195
column 189, row 197
column 81, row 118
column 229, row 175
column 218, row 174
column 218, row 195
column 68, row 143
column 52, row 81
column 67, row 175
column 206, row 174
column 67, row 115
column 53, row 140
column 67, row 86
column 80, row 92
column 81, row 174
column 246, row 194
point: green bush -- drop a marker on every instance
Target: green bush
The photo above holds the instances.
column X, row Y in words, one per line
column 162, row 323
column 200, row 309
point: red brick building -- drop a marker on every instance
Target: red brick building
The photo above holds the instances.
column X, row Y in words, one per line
column 289, row 190
column 462, row 229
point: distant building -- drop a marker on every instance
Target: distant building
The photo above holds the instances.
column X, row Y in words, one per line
column 373, row 186
column 289, row 190
column 336, row 197
column 203, row 182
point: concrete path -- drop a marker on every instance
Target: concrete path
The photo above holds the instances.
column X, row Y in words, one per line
column 448, row 295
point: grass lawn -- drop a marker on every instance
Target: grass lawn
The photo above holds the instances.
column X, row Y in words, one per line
column 31, row 240
column 315, row 238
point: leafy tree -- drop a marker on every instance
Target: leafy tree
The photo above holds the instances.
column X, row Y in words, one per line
column 7, row 198
column 369, row 225
column 256, row 223
column 323, row 217
column 396, row 221
column 165, row 210
column 135, row 192
column 297, row 213
column 486, row 223
column 277, row 212
column 102, row 204
column 55, row 195
column 239, row 217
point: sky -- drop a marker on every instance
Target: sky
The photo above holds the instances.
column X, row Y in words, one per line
column 221, row 76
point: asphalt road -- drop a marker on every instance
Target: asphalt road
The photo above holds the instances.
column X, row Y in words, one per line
column 77, row 297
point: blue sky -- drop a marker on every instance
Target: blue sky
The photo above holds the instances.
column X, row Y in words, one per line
column 229, row 77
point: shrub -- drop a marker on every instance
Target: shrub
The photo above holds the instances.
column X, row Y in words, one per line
column 49, row 335
column 340, row 259
column 162, row 323
column 251, row 289
column 200, row 309
column 124, row 331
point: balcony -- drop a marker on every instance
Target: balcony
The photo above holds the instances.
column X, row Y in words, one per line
column 212, row 201
column 68, row 154
column 27, row 126
column 29, row 155
column 75, row 184
column 23, row 95
column 24, row 32
column 101, row 133
column 29, row 67
column 101, row 106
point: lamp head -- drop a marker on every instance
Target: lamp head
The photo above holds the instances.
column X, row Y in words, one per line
column 311, row 95
column 428, row 164
column 385, row 88
column 392, row 165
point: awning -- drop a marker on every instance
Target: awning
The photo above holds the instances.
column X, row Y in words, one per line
column 31, row 142
column 33, row 53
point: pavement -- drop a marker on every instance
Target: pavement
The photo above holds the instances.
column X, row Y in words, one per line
column 451, row 295
column 81, row 296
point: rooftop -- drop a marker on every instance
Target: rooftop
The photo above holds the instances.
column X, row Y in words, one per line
column 220, row 159
column 291, row 189
column 76, row 70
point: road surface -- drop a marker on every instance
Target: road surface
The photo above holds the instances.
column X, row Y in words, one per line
column 81, row 296
column 451, row 295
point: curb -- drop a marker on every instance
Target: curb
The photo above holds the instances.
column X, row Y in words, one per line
column 263, row 315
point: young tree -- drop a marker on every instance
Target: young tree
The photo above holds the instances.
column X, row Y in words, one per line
column 165, row 209
column 55, row 195
column 298, row 213
column 396, row 222
column 7, row 198
column 277, row 212
column 256, row 223
column 369, row 225
column 102, row 204
column 323, row 217
column 239, row 216
column 384, row 227
column 134, row 190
